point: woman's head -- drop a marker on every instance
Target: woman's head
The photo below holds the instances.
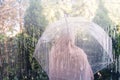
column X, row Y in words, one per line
column 65, row 38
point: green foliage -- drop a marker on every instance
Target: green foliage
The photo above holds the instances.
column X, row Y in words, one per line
column 24, row 67
column 116, row 40
column 102, row 16
column 28, row 66
column 35, row 21
column 2, row 37
column 116, row 45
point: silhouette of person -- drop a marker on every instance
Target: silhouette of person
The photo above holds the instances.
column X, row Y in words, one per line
column 67, row 61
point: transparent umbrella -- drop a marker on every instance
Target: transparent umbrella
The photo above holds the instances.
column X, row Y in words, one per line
column 73, row 48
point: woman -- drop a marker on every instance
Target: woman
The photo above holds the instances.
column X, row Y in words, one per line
column 67, row 61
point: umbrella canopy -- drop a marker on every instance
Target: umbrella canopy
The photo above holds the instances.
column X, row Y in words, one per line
column 70, row 47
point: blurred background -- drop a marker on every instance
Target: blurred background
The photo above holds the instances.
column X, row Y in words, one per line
column 22, row 22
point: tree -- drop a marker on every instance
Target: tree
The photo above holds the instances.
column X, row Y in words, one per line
column 9, row 21
column 34, row 25
column 102, row 17
column 8, row 16
column 35, row 21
